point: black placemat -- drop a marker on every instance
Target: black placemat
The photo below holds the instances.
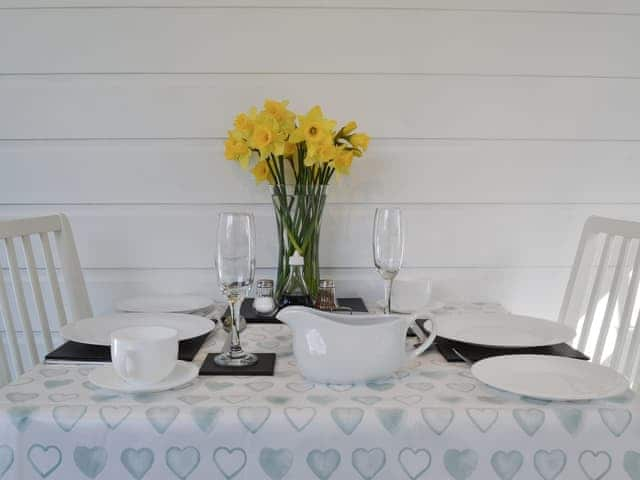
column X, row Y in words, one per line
column 475, row 353
column 264, row 367
column 81, row 352
column 356, row 304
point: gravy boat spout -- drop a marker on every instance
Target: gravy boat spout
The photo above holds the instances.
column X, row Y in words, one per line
column 342, row 348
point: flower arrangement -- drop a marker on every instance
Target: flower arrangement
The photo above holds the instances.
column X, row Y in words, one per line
column 298, row 155
column 284, row 144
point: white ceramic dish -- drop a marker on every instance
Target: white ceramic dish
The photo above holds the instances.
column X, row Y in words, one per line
column 342, row 349
column 97, row 330
column 106, row 377
column 502, row 329
column 165, row 304
column 550, row 378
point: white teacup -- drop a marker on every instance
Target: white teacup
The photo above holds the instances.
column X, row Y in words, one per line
column 144, row 355
column 410, row 295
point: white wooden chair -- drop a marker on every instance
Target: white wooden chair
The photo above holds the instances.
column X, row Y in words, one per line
column 602, row 293
column 73, row 281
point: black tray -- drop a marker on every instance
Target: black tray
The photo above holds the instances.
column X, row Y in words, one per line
column 81, row 352
column 251, row 316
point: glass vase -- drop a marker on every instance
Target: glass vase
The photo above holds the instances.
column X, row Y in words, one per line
column 298, row 211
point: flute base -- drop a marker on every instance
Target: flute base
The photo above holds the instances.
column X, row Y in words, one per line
column 265, row 366
column 243, row 359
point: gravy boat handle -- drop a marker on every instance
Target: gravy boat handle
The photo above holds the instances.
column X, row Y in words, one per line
column 420, row 349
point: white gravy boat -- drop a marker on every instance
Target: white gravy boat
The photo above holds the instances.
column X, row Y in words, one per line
column 339, row 348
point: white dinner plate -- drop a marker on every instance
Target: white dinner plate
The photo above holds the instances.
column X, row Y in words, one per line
column 501, row 329
column 106, row 377
column 97, row 330
column 550, row 378
column 165, row 304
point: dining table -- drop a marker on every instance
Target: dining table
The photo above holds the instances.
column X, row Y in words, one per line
column 429, row 420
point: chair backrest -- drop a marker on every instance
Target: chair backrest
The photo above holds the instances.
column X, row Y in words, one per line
column 77, row 298
column 602, row 293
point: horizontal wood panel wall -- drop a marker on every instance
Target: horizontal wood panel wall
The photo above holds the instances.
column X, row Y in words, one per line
column 498, row 127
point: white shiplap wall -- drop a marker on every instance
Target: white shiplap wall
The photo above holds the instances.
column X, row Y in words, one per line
column 498, row 126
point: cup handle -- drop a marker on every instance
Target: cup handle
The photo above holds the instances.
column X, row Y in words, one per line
column 420, row 349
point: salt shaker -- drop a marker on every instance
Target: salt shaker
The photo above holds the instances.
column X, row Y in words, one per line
column 326, row 298
column 264, row 303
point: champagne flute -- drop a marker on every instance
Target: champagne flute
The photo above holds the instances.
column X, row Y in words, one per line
column 236, row 265
column 388, row 248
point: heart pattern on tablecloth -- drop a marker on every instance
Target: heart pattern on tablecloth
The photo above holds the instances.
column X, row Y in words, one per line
column 205, row 417
column 137, row 461
column 253, row 418
column 507, row 464
column 631, row 464
column 368, row 463
column 530, row 420
column 161, row 418
column 615, row 419
column 230, row 461
column 323, row 463
column 67, row 416
column 414, row 462
column 483, row 418
column 392, row 419
column 276, row 463
column 460, row 463
column 595, row 465
column 44, row 459
column 182, row 461
column 6, row 459
column 299, row 417
column 114, row 416
column 347, row 418
column 438, row 419
column 90, row 460
column 549, row 464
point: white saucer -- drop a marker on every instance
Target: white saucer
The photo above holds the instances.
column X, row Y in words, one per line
column 165, row 304
column 428, row 308
column 106, row 377
column 550, row 378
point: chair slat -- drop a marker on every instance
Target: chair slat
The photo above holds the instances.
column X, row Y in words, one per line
column 53, row 279
column 18, row 366
column 36, row 289
column 20, row 299
column 5, row 373
column 574, row 297
column 627, row 312
column 612, row 300
column 595, row 293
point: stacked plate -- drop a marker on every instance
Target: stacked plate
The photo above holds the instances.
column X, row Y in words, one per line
column 185, row 314
column 193, row 304
column 539, row 376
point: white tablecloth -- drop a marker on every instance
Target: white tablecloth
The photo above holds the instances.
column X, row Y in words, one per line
column 431, row 420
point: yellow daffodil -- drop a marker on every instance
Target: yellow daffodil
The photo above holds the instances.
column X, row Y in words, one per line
column 261, row 171
column 267, row 137
column 327, row 152
column 349, row 128
column 235, row 148
column 313, row 127
column 244, row 122
column 342, row 161
column 360, row 140
column 278, row 110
